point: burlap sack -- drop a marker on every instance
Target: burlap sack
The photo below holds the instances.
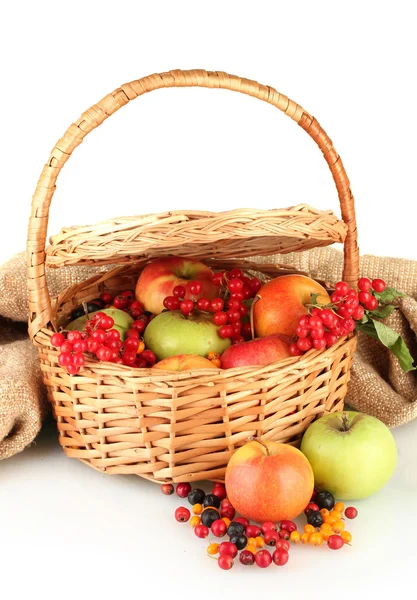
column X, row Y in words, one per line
column 378, row 385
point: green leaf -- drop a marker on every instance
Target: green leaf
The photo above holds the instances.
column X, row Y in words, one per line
column 314, row 299
column 391, row 340
column 388, row 295
column 383, row 311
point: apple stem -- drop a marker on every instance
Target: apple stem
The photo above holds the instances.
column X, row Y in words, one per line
column 252, row 307
column 345, row 423
column 255, row 439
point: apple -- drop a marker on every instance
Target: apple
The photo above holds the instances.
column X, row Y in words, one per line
column 352, row 454
column 269, row 481
column 122, row 321
column 184, row 362
column 160, row 276
column 261, row 351
column 171, row 333
column 282, row 301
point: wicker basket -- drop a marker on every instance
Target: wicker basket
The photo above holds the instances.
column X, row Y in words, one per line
column 170, row 426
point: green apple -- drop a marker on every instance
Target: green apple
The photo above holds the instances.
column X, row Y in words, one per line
column 171, row 333
column 353, row 455
column 122, row 321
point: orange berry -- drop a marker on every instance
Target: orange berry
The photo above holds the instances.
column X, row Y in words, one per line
column 141, row 347
column 305, row 538
column 309, row 529
column 339, row 526
column 331, row 520
column 326, row 527
column 227, row 521
column 316, row 539
column 336, row 515
column 197, row 509
column 216, row 362
column 213, row 355
column 251, row 548
column 259, row 542
column 194, row 521
column 213, row 549
column 295, row 537
column 324, row 512
column 346, row 537
column 326, row 534
column 251, row 541
column 339, row 507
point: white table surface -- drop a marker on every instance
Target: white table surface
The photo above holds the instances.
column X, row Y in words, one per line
column 68, row 531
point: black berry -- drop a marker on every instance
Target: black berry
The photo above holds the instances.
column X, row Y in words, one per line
column 324, row 500
column 240, row 541
column 211, row 500
column 208, row 516
column 196, row 496
column 235, row 528
column 314, row 518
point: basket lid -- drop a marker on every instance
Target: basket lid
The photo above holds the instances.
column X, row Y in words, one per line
column 199, row 234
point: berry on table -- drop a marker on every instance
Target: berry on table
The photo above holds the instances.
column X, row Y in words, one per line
column 324, row 512
column 309, row 528
column 240, row 541
column 228, row 548
column 219, row 528
column 295, row 537
column 196, row 496
column 324, row 500
column 288, row 525
column 346, row 537
column 251, row 548
column 335, row 542
column 194, row 521
column 211, row 500
column 259, row 541
column 305, row 538
column 106, row 297
column 209, row 515
column 242, row 520
column 263, row 559
column 247, row 557
column 339, row 507
column 310, row 506
column 235, row 528
column 316, row 539
column 252, row 531
column 182, row 514
column 280, row 557
column 268, row 526
column 284, row 534
column 225, row 562
column 201, row 531
column 227, row 511
column 226, row 520
column 167, row 489
column 197, row 509
column 339, row 526
column 351, row 512
column 219, row 489
column 315, row 518
column 271, row 537
column 213, row 549
column 336, row 514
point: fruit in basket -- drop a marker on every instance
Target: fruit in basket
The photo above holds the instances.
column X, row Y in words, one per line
column 122, row 321
column 282, row 301
column 171, row 333
column 184, row 362
column 269, row 481
column 353, row 455
column 159, row 278
column 261, row 351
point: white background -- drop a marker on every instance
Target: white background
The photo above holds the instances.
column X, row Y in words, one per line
column 351, row 65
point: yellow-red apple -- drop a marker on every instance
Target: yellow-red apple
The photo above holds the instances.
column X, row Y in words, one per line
column 261, row 351
column 269, row 481
column 282, row 301
column 160, row 276
column 184, row 362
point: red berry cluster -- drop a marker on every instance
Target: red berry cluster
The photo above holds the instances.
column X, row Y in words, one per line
column 214, row 513
column 229, row 311
column 325, row 324
column 101, row 340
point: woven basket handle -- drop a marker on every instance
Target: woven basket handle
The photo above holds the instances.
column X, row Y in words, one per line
column 40, row 312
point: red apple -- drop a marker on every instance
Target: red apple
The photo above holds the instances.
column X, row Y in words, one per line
column 282, row 301
column 160, row 276
column 269, row 481
column 184, row 362
column 261, row 351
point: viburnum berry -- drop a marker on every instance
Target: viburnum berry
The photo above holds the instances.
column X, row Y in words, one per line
column 99, row 335
column 319, row 344
column 341, row 288
column 179, row 291
column 139, row 325
column 78, row 359
column 235, row 285
column 120, row 302
column 236, row 273
column 302, row 332
column 149, row 356
column 220, row 318
column 304, row 344
column 57, row 340
column 378, row 285
column 255, row 285
column 186, row 307
column 294, row 349
column 66, row 346
column 103, row 353
column 329, row 338
column 129, row 358
column 237, row 339
column 364, row 284
column 358, row 313
column 106, row 297
column 315, row 322
column 194, row 287
column 218, row 278
column 216, row 304
column 203, row 304
column 171, row 303
column 131, row 344
column 364, row 297
column 351, row 512
column 72, row 369
column 226, row 331
column 372, row 303
column 65, row 359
